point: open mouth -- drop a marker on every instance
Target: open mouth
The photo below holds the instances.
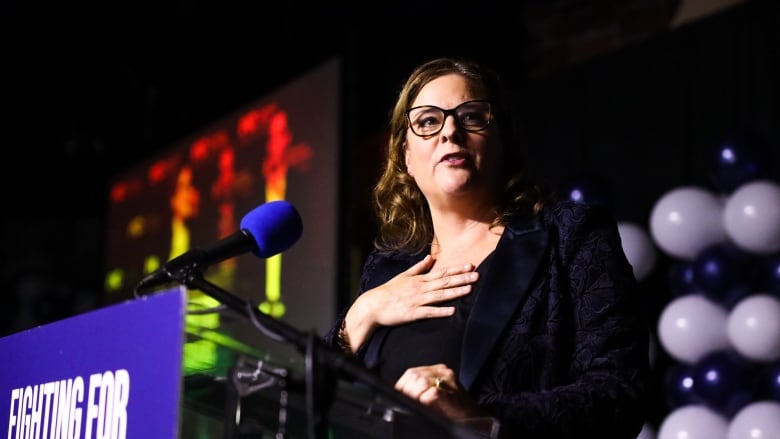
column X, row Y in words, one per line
column 455, row 158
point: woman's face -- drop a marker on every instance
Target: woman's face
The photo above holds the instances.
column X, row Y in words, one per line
column 453, row 164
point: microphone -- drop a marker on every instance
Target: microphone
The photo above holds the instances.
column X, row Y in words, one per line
column 267, row 230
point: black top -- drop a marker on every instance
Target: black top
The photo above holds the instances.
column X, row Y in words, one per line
column 428, row 341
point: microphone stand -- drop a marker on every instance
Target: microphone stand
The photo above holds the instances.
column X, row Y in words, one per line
column 323, row 363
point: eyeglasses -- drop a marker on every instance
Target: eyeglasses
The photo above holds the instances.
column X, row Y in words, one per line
column 428, row 120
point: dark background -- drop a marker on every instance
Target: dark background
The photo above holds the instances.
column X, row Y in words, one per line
column 630, row 96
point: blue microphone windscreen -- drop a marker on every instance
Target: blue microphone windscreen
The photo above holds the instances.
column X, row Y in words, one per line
column 275, row 227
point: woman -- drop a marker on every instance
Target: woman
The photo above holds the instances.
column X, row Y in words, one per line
column 480, row 300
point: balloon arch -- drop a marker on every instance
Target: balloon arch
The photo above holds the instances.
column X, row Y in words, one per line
column 721, row 326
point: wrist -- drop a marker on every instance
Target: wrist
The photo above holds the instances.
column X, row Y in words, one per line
column 342, row 338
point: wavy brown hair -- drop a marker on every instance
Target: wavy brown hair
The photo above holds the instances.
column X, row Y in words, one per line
column 402, row 211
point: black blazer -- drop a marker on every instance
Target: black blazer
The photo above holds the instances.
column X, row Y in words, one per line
column 555, row 345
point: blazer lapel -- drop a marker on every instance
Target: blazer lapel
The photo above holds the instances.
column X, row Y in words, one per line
column 515, row 262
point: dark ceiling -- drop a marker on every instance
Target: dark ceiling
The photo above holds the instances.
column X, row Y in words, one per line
column 91, row 88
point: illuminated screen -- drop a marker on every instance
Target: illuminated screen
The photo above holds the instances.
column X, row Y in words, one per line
column 283, row 146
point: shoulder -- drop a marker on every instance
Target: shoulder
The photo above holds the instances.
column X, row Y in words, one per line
column 568, row 218
column 380, row 266
column 588, row 236
column 568, row 213
column 573, row 226
column 565, row 217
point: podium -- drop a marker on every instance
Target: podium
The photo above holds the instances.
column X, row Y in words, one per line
column 112, row 373
column 117, row 372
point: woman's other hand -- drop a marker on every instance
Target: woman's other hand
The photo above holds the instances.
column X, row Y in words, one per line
column 437, row 386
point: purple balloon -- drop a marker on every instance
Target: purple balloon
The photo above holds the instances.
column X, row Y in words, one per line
column 736, row 160
column 723, row 380
column 767, row 278
column 587, row 189
column 731, row 296
column 681, row 279
column 679, row 386
column 719, row 268
column 767, row 383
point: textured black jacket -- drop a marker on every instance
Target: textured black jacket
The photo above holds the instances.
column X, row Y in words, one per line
column 555, row 345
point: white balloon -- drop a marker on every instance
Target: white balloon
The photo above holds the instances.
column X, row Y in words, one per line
column 757, row 420
column 753, row 327
column 686, row 220
column 751, row 217
column 693, row 422
column 692, row 326
column 647, row 432
column 638, row 247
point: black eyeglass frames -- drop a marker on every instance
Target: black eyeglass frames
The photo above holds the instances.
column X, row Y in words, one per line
column 427, row 120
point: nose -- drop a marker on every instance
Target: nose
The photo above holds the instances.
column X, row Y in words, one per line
column 449, row 125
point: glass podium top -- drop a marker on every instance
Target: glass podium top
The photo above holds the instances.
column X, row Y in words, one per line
column 254, row 386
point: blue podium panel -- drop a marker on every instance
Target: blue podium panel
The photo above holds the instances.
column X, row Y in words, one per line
column 112, row 373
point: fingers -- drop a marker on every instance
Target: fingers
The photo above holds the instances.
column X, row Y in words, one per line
column 448, row 277
column 426, row 263
column 440, row 285
column 421, row 267
column 451, row 271
column 442, row 290
column 427, row 383
column 455, row 280
column 412, row 294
